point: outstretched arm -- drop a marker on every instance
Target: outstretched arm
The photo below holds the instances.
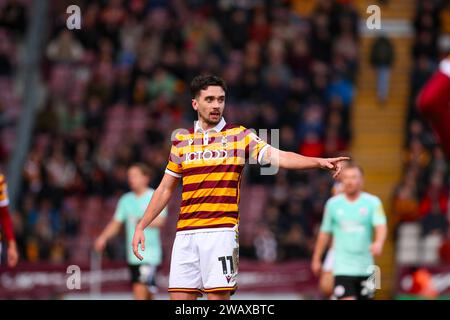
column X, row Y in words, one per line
column 295, row 161
column 159, row 201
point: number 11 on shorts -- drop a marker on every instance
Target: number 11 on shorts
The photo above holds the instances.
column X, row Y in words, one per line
column 224, row 264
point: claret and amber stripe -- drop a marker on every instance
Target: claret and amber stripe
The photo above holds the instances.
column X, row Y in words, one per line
column 205, row 192
column 210, row 222
column 202, row 169
column 209, row 214
column 209, row 207
column 210, row 185
column 214, row 176
column 199, row 227
column 209, row 199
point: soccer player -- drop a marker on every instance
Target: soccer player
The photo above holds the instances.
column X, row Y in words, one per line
column 351, row 217
column 130, row 210
column 5, row 221
column 434, row 104
column 209, row 159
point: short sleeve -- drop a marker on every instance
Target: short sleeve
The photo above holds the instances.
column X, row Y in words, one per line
column 121, row 213
column 379, row 216
column 174, row 163
column 255, row 147
column 327, row 221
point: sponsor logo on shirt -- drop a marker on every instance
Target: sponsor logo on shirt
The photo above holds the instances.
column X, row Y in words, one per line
column 352, row 226
column 206, row 155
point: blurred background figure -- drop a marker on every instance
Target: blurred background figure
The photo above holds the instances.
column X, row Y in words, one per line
column 382, row 57
column 12, row 256
column 326, row 280
column 433, row 103
column 130, row 210
column 356, row 222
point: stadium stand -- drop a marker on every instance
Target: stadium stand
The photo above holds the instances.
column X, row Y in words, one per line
column 116, row 89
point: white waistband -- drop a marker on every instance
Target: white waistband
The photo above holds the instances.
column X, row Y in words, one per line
column 205, row 230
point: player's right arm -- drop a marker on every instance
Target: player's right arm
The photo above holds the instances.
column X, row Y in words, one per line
column 114, row 226
column 323, row 240
column 159, row 201
column 110, row 231
column 322, row 243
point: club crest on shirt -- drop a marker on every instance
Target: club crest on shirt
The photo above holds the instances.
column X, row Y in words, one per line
column 363, row 211
column 224, row 142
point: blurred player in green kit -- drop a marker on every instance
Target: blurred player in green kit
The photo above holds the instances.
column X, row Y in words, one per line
column 357, row 222
column 129, row 211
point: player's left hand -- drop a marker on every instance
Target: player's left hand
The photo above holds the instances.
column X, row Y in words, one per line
column 333, row 164
column 376, row 249
column 12, row 255
column 138, row 239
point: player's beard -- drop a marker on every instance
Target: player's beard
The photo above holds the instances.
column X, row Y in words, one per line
column 210, row 118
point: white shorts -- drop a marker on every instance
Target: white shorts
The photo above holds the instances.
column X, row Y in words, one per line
column 329, row 261
column 205, row 261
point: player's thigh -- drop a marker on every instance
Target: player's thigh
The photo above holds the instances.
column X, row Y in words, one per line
column 219, row 260
column 326, row 283
column 183, row 296
column 143, row 273
column 219, row 295
column 143, row 279
column 345, row 288
column 185, row 276
column 140, row 291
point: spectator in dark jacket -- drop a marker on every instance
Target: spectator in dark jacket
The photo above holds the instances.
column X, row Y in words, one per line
column 381, row 58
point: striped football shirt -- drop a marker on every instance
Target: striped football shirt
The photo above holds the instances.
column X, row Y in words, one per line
column 210, row 164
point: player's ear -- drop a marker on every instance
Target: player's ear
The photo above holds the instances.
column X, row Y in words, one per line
column 194, row 104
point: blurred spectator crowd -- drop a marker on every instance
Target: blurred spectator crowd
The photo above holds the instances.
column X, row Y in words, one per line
column 421, row 200
column 116, row 89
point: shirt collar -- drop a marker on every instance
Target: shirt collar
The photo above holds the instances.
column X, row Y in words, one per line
column 217, row 128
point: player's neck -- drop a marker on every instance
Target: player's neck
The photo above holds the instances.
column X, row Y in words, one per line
column 204, row 125
column 352, row 197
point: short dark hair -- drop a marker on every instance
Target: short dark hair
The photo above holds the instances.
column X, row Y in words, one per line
column 145, row 169
column 201, row 82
